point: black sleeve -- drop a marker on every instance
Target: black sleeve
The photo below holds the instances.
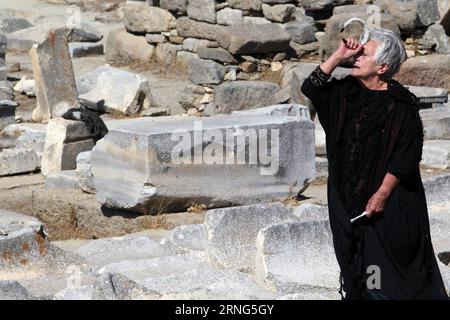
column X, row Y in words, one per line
column 407, row 154
column 318, row 90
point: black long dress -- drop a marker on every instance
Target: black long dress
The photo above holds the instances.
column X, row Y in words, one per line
column 369, row 133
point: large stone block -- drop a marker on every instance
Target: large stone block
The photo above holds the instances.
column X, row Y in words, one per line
column 228, row 16
column 188, row 28
column 84, row 172
column 314, row 5
column 253, row 5
column 231, row 233
column 142, row 18
column 102, row 252
column 436, row 154
column 411, row 14
column 436, row 123
column 65, row 139
column 123, row 48
column 202, row 10
column 24, row 39
column 295, row 255
column 157, row 160
column 56, row 91
column 278, row 13
column 429, row 70
column 249, row 38
column 121, row 91
column 205, row 71
column 17, row 160
column 240, row 95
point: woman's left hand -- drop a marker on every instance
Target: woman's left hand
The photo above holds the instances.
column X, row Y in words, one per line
column 376, row 203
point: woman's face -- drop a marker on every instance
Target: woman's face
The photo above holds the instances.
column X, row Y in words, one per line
column 364, row 65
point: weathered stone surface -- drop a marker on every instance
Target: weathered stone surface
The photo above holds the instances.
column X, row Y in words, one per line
column 205, row 72
column 231, row 233
column 26, row 86
column 436, row 122
column 240, row 95
column 66, row 179
column 17, row 160
column 147, row 167
column 10, row 24
column 436, row 36
column 293, row 110
column 278, row 13
column 166, row 53
column 436, row 154
column 254, row 5
column 436, row 188
column 51, row 60
column 83, row 49
column 84, row 172
column 321, row 146
column 178, row 6
column 189, row 28
column 249, row 38
column 3, row 47
column 202, row 10
column 192, row 44
column 191, row 237
column 228, row 16
column 301, row 32
column 430, row 70
column 121, row 91
column 6, row 93
column 321, row 5
column 311, row 212
column 122, row 47
column 7, row 113
column 118, row 287
column 27, row 136
column 208, row 284
column 155, row 38
column 102, row 252
column 142, row 18
column 290, row 256
column 65, row 139
column 217, row 54
column 412, row 13
column 25, row 248
column 24, row 39
column 13, row 290
column 429, row 95
column 185, row 57
column 329, row 42
column 255, row 20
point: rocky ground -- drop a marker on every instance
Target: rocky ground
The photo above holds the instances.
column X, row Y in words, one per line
column 62, row 236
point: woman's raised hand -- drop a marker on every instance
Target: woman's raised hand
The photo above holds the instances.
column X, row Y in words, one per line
column 348, row 48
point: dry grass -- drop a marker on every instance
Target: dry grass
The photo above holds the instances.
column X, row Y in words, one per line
column 197, row 208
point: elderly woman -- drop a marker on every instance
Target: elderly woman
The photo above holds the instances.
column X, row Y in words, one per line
column 374, row 139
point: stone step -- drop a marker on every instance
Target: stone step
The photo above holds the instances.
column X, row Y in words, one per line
column 436, row 154
column 436, row 123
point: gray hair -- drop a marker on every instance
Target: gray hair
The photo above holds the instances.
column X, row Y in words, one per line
column 390, row 51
